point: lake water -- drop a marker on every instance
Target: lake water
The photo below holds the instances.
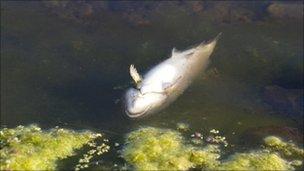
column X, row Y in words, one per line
column 67, row 65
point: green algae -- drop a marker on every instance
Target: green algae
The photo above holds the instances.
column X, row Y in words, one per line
column 164, row 149
column 206, row 157
column 30, row 148
column 182, row 126
column 286, row 148
column 152, row 148
column 255, row 160
column 96, row 150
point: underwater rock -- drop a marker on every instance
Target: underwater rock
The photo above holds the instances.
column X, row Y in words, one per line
column 284, row 100
column 30, row 148
column 136, row 13
column 218, row 12
column 163, row 149
column 81, row 11
column 197, row 6
column 228, row 12
column 141, row 13
column 78, row 11
column 136, row 19
column 283, row 10
column 255, row 135
column 198, row 135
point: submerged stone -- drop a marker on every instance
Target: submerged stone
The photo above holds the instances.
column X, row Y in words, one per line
column 281, row 10
column 284, row 100
column 255, row 135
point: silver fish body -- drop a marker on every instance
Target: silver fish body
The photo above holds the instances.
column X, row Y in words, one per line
column 161, row 85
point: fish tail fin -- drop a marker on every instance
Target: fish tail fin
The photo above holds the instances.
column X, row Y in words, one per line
column 217, row 37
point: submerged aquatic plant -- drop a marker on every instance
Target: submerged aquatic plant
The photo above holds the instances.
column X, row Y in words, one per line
column 152, row 149
column 163, row 149
column 255, row 160
column 30, row 148
column 215, row 138
column 206, row 157
column 288, row 149
column 98, row 150
column 182, row 126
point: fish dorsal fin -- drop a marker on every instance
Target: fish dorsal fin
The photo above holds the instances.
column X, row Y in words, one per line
column 135, row 75
column 174, row 52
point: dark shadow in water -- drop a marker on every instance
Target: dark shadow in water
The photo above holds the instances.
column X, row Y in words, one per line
column 98, row 102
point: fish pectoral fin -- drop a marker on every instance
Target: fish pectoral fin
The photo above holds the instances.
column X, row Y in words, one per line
column 137, row 78
column 189, row 54
column 167, row 86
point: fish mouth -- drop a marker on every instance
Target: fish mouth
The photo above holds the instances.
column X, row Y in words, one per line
column 138, row 114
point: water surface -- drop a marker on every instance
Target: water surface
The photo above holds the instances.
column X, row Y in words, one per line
column 58, row 69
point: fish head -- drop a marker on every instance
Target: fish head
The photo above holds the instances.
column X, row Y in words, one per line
column 138, row 104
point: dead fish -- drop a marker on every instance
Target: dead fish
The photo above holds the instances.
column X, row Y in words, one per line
column 161, row 85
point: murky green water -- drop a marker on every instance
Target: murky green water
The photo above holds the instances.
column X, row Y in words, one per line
column 56, row 71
